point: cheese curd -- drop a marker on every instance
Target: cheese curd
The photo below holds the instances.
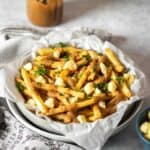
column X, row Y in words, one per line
column 73, row 99
column 70, row 65
column 31, row 105
column 112, row 87
column 50, row 103
column 102, row 104
column 56, row 54
column 89, row 88
column 81, row 118
column 145, row 127
column 28, row 66
column 59, row 81
column 97, row 92
column 40, row 79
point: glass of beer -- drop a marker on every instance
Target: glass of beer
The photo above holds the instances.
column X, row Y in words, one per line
column 45, row 12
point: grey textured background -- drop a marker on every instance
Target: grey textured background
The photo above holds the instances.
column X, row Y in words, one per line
column 129, row 21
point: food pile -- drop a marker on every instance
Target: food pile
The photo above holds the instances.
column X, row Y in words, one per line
column 70, row 84
column 145, row 127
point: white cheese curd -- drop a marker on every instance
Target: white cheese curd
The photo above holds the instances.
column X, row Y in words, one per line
column 102, row 104
column 73, row 99
column 40, row 79
column 59, row 81
column 145, row 127
column 147, row 135
column 103, row 68
column 28, row 66
column 50, row 103
column 97, row 92
column 89, row 88
column 70, row 65
column 56, row 54
column 112, row 87
column 81, row 118
column 31, row 105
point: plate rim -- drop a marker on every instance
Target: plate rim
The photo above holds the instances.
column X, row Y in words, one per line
column 13, row 108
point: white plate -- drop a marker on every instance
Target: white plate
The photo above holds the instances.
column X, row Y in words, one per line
column 53, row 135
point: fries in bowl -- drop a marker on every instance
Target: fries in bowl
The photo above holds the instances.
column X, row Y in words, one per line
column 70, row 84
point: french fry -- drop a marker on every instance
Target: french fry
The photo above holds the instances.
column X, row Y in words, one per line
column 97, row 113
column 125, row 90
column 108, row 111
column 73, row 87
column 82, row 118
column 114, row 60
column 45, row 51
column 84, row 77
column 92, row 101
column 42, row 58
column 71, row 92
column 39, row 101
column 59, row 97
column 61, row 109
column 63, row 117
column 27, row 93
column 119, row 97
column 87, row 112
column 100, row 79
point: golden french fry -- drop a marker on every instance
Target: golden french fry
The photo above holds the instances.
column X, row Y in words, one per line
column 118, row 97
column 63, row 117
column 71, row 92
column 96, row 111
column 92, row 101
column 108, row 111
column 125, row 90
column 45, row 51
column 27, row 93
column 82, row 118
column 100, row 79
column 114, row 60
column 39, row 101
column 42, row 58
column 87, row 112
column 61, row 109
column 59, row 97
column 84, row 77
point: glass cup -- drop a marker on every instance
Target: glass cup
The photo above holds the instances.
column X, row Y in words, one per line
column 45, row 12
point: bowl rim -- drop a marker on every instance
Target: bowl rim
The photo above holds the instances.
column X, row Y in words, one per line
column 21, row 119
column 141, row 136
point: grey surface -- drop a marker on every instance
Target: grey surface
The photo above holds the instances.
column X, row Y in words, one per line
column 129, row 21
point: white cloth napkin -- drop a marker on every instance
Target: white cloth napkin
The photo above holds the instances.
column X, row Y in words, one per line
column 15, row 136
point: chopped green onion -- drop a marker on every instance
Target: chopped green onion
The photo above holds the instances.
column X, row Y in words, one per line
column 41, row 70
column 87, row 57
column 19, row 86
column 102, row 86
column 120, row 79
column 66, row 56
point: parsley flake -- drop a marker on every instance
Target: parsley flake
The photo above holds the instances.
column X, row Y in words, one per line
column 102, row 86
column 19, row 86
column 66, row 56
column 87, row 57
column 41, row 70
column 120, row 79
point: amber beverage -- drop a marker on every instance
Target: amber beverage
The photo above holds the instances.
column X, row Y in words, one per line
column 45, row 12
